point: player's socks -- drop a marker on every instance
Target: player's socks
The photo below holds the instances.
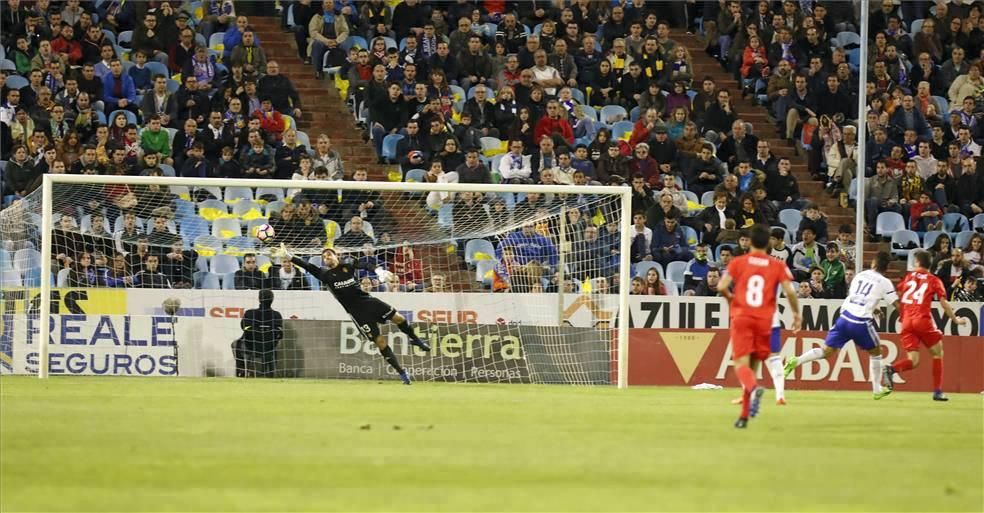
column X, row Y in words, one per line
column 774, row 364
column 390, row 358
column 938, row 374
column 902, row 365
column 414, row 339
column 748, row 383
column 875, row 369
column 813, row 354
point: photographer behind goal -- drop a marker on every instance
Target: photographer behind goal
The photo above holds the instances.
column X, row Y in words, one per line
column 256, row 350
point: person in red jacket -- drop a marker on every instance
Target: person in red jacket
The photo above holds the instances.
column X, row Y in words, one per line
column 555, row 122
column 643, row 128
column 66, row 44
column 754, row 66
column 271, row 121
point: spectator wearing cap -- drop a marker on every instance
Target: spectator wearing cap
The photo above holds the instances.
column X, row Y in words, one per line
column 201, row 65
column 271, row 121
column 645, row 165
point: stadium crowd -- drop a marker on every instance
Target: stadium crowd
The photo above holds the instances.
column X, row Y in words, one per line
column 548, row 92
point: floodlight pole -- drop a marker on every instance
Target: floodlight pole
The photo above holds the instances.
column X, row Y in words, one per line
column 859, row 264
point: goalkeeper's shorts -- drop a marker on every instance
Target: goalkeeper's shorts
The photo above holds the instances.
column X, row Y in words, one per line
column 368, row 313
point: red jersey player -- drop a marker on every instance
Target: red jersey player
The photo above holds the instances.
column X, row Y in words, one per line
column 917, row 291
column 756, row 277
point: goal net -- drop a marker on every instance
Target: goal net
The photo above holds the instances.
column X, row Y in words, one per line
column 154, row 275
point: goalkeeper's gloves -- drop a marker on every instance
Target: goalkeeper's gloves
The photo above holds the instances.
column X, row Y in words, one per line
column 281, row 252
column 383, row 274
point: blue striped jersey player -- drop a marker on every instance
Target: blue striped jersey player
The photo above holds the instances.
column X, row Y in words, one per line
column 856, row 322
column 774, row 362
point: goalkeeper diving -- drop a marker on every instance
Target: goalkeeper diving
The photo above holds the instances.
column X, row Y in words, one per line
column 367, row 311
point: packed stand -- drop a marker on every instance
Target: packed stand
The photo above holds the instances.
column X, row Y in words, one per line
column 923, row 185
column 599, row 93
column 161, row 89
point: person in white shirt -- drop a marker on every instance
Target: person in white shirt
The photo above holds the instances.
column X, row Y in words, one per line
column 925, row 162
column 514, row 167
column 856, row 322
column 544, row 75
column 435, row 174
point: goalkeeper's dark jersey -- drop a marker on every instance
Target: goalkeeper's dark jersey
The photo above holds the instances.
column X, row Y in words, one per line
column 341, row 280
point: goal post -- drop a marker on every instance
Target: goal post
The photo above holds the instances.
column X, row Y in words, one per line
column 571, row 313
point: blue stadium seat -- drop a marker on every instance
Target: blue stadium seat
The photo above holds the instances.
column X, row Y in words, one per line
column 889, row 223
column 675, row 272
column 157, row 68
column 790, row 217
column 476, row 246
column 222, row 264
column 610, row 113
column 641, row 268
column 415, row 175
column 901, row 239
column 193, row 227
column 977, row 223
column 124, row 38
column 357, row 41
column 16, row 82
column 954, row 222
column 929, row 238
column 963, row 239
column 389, row 146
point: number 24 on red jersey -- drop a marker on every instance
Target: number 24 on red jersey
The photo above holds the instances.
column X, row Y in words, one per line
column 917, row 292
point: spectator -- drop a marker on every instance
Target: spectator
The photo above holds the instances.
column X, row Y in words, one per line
column 707, row 287
column 327, row 32
column 953, row 270
column 147, row 38
column 150, row 277
column 120, row 93
column 969, row 291
column 280, row 90
column 257, row 158
column 473, row 170
column 653, row 285
column 814, row 220
column 355, row 236
column 834, row 281
column 670, row 243
column 179, row 265
column 807, row 254
column 882, row 194
column 515, row 167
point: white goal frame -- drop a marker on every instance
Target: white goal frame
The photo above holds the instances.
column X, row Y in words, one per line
column 624, row 192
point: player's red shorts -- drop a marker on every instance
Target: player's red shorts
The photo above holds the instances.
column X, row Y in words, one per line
column 920, row 331
column 750, row 336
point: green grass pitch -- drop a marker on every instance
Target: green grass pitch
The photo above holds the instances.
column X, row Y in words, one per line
column 118, row 444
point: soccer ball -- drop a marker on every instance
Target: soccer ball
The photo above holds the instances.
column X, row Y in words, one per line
column 264, row 232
